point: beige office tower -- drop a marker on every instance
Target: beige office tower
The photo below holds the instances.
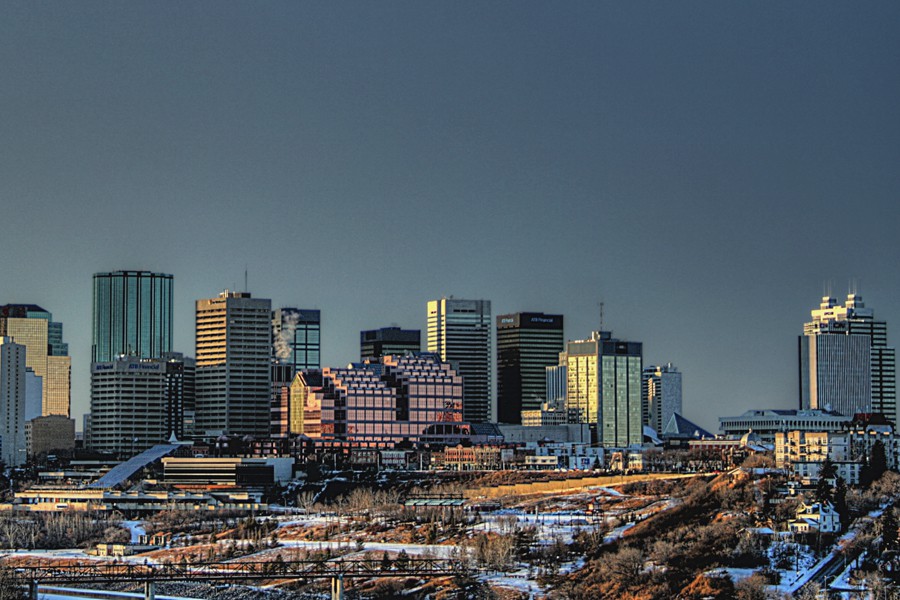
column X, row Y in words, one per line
column 45, row 352
column 233, row 377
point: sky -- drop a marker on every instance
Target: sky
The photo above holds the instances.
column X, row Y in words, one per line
column 706, row 170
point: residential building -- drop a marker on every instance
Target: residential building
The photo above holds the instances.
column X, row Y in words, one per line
column 132, row 315
column 661, row 390
column 296, row 338
column 414, row 398
column 459, row 331
column 376, row 343
column 233, row 354
column 46, row 354
column 527, row 343
column 845, row 362
column 819, row 517
column 12, row 402
column 604, row 387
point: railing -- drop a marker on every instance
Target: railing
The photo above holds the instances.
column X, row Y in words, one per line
column 103, row 572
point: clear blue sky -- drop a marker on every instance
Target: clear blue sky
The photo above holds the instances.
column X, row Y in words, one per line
column 701, row 167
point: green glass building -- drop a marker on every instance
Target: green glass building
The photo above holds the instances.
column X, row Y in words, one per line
column 132, row 315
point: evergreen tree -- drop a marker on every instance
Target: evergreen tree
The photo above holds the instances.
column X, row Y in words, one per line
column 889, row 533
column 877, row 461
column 840, row 502
column 824, row 490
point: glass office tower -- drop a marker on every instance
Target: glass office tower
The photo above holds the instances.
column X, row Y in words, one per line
column 132, row 315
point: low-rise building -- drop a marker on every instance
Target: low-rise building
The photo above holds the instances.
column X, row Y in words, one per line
column 767, row 423
column 816, row 518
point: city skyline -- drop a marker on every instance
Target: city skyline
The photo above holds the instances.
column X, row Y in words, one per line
column 701, row 171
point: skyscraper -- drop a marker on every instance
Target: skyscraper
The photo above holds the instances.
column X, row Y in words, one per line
column 129, row 402
column 527, row 343
column 604, row 387
column 386, row 341
column 12, row 402
column 132, row 315
column 296, row 338
column 661, row 390
column 459, row 331
column 845, row 362
column 234, row 357
column 46, row 354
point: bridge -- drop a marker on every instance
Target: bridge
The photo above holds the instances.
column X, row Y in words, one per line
column 336, row 569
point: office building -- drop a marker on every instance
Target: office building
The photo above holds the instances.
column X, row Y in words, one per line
column 604, row 387
column 137, row 404
column 845, row 362
column 181, row 395
column 661, row 390
column 389, row 340
column 765, row 423
column 527, row 343
column 34, row 394
column 459, row 331
column 50, row 434
column 12, row 402
column 385, row 401
column 234, row 352
column 556, row 385
column 296, row 338
column 46, row 354
column 132, row 315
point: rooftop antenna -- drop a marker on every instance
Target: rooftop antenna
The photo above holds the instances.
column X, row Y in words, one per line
column 246, row 289
column 854, row 286
column 600, row 304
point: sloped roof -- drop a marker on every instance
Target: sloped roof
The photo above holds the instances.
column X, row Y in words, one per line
column 120, row 473
column 680, row 427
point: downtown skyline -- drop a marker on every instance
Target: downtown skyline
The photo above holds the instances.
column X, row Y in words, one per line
column 702, row 171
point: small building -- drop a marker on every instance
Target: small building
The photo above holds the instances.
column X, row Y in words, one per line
column 816, row 518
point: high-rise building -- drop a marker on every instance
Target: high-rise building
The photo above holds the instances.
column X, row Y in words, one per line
column 845, row 362
column 459, row 331
column 376, row 343
column 128, row 405
column 604, row 387
column 556, row 385
column 12, row 402
column 661, row 390
column 46, row 354
column 296, row 338
column 181, row 372
column 132, row 315
column 527, row 343
column 234, row 356
column 136, row 404
column 382, row 402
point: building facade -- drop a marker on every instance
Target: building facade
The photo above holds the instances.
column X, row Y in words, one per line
column 376, row 343
column 459, row 331
column 53, row 433
column 137, row 404
column 132, row 315
column 845, row 362
column 12, row 402
column 661, row 389
column 416, row 399
column 296, row 338
column 46, row 353
column 527, row 343
column 233, row 354
column 604, row 387
column 765, row 423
